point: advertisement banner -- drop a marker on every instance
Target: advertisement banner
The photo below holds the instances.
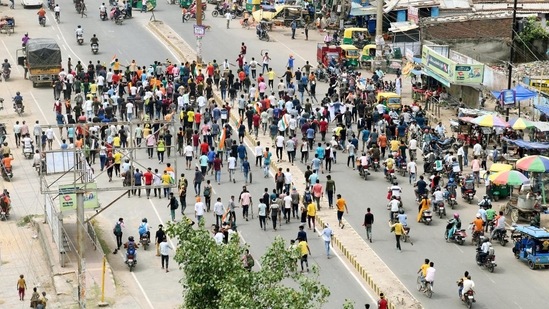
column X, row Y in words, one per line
column 438, row 64
column 508, row 97
column 469, row 73
column 67, row 196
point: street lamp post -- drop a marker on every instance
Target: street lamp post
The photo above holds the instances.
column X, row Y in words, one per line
column 512, row 56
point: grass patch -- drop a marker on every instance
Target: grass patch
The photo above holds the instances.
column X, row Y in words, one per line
column 100, row 238
column 25, row 220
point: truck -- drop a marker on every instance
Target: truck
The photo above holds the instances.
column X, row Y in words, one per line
column 41, row 58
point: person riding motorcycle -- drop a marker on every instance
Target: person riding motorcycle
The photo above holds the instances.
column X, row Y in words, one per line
column 6, row 67
column 25, row 39
column 41, row 14
column 5, row 202
column 79, row 32
column 438, row 197
column 424, row 204
column 478, row 226
column 57, row 11
column 94, row 40
column 389, row 165
column 451, row 186
column 453, row 225
column 27, row 143
column 261, row 28
column 485, row 202
column 144, row 229
column 6, row 164
column 333, row 62
column 484, row 251
column 131, row 247
column 18, row 101
column 499, row 224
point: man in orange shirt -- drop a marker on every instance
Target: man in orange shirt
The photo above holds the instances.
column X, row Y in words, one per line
column 318, row 193
column 382, row 143
column 341, row 205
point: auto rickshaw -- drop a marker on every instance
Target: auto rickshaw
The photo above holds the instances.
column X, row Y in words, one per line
column 390, row 99
column 368, row 53
column 350, row 55
column 325, row 53
column 531, row 245
column 185, row 4
column 356, row 36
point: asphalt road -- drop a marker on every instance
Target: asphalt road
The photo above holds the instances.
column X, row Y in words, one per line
column 133, row 41
column 512, row 283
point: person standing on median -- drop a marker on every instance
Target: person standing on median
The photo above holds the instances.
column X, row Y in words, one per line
column 341, row 205
column 164, row 251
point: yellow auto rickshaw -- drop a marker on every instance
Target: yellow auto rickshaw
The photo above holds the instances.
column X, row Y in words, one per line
column 356, row 36
column 390, row 99
column 350, row 55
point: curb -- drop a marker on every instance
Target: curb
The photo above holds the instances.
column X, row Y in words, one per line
column 364, row 274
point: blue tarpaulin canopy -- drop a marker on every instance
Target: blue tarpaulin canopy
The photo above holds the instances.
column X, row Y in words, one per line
column 528, row 145
column 521, row 93
column 542, row 108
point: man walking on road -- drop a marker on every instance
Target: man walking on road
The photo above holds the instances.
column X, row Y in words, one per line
column 341, row 205
column 228, row 17
column 368, row 222
column 117, row 231
column 327, row 235
column 164, row 251
column 159, row 236
column 398, row 229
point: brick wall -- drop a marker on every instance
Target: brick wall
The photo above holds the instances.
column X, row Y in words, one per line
column 471, row 29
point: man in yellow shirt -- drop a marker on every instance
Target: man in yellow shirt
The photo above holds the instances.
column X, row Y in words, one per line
column 271, row 76
column 389, row 164
column 423, row 269
column 393, row 144
column 398, row 229
column 166, row 181
column 190, row 118
column 116, row 141
column 304, row 251
column 341, row 207
column 117, row 156
column 311, row 214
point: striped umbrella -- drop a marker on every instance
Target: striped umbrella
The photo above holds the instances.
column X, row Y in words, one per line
column 538, row 164
column 513, row 178
column 490, row 120
column 520, row 123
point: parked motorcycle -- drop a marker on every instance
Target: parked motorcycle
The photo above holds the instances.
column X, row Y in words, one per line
column 95, row 48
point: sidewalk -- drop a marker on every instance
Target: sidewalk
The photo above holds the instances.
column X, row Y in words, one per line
column 369, row 266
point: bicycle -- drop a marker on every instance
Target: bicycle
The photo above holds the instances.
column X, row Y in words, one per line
column 425, row 286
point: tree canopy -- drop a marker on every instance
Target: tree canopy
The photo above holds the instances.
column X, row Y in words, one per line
column 215, row 276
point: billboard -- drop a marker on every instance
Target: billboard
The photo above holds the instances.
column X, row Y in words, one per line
column 452, row 72
column 67, row 196
column 469, row 73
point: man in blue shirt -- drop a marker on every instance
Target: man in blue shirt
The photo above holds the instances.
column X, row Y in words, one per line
column 241, row 150
column 365, row 133
column 310, row 136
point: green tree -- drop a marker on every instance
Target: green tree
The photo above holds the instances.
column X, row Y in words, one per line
column 532, row 31
column 215, row 276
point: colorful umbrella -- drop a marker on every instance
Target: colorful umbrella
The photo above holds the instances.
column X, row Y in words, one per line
column 539, row 164
column 513, row 178
column 500, row 167
column 520, row 123
column 489, row 121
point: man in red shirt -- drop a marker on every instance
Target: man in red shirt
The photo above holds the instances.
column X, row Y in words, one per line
column 148, row 176
column 204, row 147
column 217, row 165
column 323, row 128
column 256, row 120
column 382, row 302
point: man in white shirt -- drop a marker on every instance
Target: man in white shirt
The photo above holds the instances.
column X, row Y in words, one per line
column 37, row 132
column 477, row 149
column 396, row 190
column 219, row 211
column 189, row 152
column 129, row 110
column 49, row 136
column 394, row 206
column 287, row 207
column 164, row 252
column 327, row 235
column 412, row 170
column 279, row 146
column 199, row 208
column 468, row 285
column 258, row 151
column 27, row 143
column 430, row 275
column 231, row 165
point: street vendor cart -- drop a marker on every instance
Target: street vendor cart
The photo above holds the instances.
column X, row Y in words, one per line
column 7, row 25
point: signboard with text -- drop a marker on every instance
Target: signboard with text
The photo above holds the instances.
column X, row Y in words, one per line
column 199, row 31
column 508, row 98
column 67, row 196
column 413, row 14
column 469, row 73
column 452, row 72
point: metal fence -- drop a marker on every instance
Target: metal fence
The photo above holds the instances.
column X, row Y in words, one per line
column 55, row 221
column 93, row 235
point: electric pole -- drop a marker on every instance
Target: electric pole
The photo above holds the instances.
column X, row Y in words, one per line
column 512, row 56
column 379, row 29
column 198, row 37
column 81, row 246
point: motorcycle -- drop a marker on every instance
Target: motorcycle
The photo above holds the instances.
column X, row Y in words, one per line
column 95, row 48
column 263, row 35
column 376, row 165
column 363, row 172
column 19, row 108
column 192, row 14
column 469, row 195
column 219, row 11
column 458, row 237
column 501, row 237
column 468, row 298
column 390, row 176
column 103, row 16
column 51, row 5
column 426, row 217
column 131, row 262
column 42, row 21
column 6, row 73
column 477, row 238
column 441, row 210
column 80, row 39
column 27, row 153
column 451, row 199
column 489, row 260
column 145, row 241
column 7, row 174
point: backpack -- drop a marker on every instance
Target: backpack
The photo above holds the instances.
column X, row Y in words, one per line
column 142, row 229
column 117, row 229
column 176, row 202
column 307, row 197
column 131, row 249
column 207, row 191
column 280, row 178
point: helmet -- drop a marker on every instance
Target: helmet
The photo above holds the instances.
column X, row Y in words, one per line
column 478, row 215
column 18, row 93
column 456, row 216
column 5, row 60
column 426, row 130
column 79, row 26
column 144, row 220
column 395, row 183
column 94, row 35
column 401, row 211
column 487, row 239
column 485, row 196
column 130, row 238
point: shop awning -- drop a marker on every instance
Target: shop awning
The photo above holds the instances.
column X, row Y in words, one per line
column 542, row 108
column 437, row 77
column 542, row 126
column 527, row 145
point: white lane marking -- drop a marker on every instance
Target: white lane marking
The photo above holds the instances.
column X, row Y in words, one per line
column 161, row 221
column 458, row 247
column 13, row 60
column 142, row 290
column 60, row 36
column 352, row 272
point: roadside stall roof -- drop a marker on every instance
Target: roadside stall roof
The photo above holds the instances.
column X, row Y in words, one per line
column 527, row 145
column 542, row 108
column 542, row 126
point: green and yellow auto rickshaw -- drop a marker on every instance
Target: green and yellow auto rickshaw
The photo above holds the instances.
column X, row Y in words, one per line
column 390, row 99
column 350, row 55
column 356, row 36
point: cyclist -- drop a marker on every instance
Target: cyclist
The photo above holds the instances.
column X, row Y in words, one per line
column 57, row 11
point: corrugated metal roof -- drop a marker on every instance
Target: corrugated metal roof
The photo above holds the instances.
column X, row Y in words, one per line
column 454, row 4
